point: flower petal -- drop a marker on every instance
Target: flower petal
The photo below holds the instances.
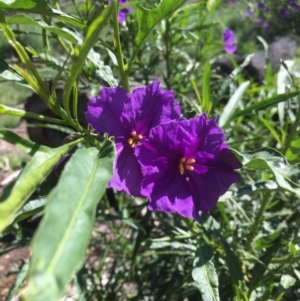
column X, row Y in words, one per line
column 173, row 187
column 152, row 106
column 111, row 112
column 128, row 174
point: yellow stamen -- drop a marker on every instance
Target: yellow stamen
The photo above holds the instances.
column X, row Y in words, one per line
column 189, row 167
column 181, row 169
column 182, row 160
column 133, row 133
column 133, row 144
column 130, row 141
column 140, row 137
column 188, row 161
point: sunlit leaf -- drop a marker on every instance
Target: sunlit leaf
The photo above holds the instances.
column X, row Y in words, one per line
column 286, row 175
column 264, row 104
column 147, row 19
column 204, row 274
column 43, row 161
column 68, row 221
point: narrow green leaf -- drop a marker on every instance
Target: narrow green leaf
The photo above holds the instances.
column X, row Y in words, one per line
column 7, row 72
column 65, row 33
column 18, row 282
column 22, row 143
column 232, row 261
column 286, row 175
column 270, row 127
column 248, row 189
column 90, row 39
column 40, row 7
column 60, row 243
column 206, row 95
column 280, row 296
column 233, row 102
column 29, row 209
column 23, row 4
column 34, row 173
column 261, row 266
column 204, row 274
column 5, row 110
column 264, row 104
column 147, row 19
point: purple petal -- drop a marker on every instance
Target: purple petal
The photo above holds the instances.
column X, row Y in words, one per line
column 229, row 41
column 110, row 112
column 128, row 174
column 172, row 188
column 152, row 106
column 122, row 12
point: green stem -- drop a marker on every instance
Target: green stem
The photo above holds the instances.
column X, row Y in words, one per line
column 257, row 220
column 293, row 132
column 117, row 42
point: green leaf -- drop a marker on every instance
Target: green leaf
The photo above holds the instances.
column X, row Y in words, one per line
column 147, row 19
column 287, row 281
column 264, row 104
column 66, row 33
column 29, row 209
column 42, row 163
column 286, row 175
column 261, row 266
column 22, row 143
column 18, row 282
column 293, row 152
column 233, row 102
column 9, row 73
column 204, row 274
column 24, row 4
column 206, row 95
column 232, row 261
column 5, row 110
column 91, row 37
column 60, row 243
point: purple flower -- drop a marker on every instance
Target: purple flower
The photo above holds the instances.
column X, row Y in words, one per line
column 249, row 13
column 122, row 12
column 262, row 6
column 186, row 166
column 259, row 22
column 233, row 2
column 129, row 118
column 283, row 12
column 266, row 25
column 229, row 41
column 294, row 4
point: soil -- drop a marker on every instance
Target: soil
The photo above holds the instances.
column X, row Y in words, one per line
column 11, row 258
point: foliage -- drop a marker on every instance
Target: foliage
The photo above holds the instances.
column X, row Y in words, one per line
column 104, row 244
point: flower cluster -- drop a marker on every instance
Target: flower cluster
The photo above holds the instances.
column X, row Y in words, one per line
column 273, row 18
column 180, row 165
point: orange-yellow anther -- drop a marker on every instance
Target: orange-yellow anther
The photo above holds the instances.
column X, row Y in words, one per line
column 189, row 161
column 189, row 167
column 135, row 139
column 130, row 141
column 185, row 164
column 181, row 169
